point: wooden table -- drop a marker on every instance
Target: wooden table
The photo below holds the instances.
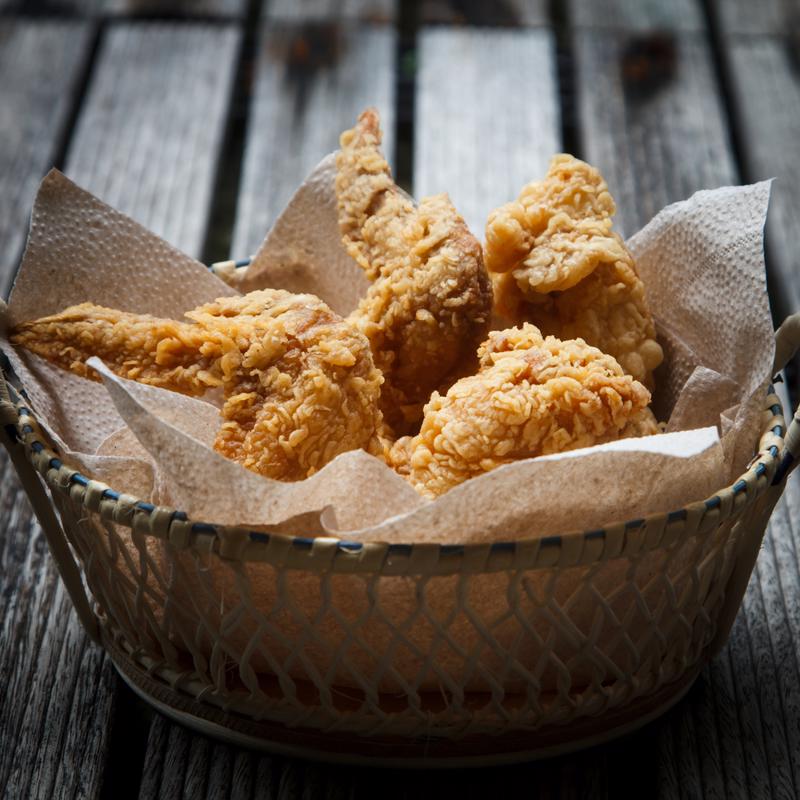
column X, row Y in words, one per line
column 199, row 118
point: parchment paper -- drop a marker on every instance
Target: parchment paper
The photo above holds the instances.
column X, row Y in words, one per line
column 702, row 264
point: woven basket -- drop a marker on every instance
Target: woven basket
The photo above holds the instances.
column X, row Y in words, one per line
column 405, row 654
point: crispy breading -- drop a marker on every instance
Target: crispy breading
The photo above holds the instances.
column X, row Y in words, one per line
column 533, row 395
column 558, row 264
column 431, row 297
column 299, row 383
column 642, row 424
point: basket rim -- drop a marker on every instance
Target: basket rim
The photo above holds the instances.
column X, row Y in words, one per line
column 331, row 553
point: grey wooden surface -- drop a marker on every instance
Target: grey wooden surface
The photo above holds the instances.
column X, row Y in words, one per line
column 633, row 87
column 765, row 16
column 133, row 8
column 299, row 107
column 56, row 690
column 638, row 15
column 36, row 100
column 138, row 146
column 152, row 123
column 480, row 133
column 656, row 140
column 315, row 11
column 505, row 13
column 765, row 80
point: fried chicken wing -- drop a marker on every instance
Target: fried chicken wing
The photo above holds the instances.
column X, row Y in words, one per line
column 533, row 395
column 430, row 300
column 299, row 383
column 558, row 264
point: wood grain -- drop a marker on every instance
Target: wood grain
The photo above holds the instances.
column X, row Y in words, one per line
column 139, row 144
column 638, row 15
column 312, row 11
column 300, row 107
column 502, row 13
column 766, row 93
column 765, row 16
column 656, row 140
column 150, row 131
column 56, row 689
column 99, row 8
column 481, row 133
column 36, row 99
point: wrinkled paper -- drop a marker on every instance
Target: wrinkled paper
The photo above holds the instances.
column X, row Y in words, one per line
column 701, row 261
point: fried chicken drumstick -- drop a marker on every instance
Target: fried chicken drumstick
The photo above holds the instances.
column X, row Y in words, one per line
column 557, row 263
column 299, row 383
column 431, row 298
column 533, row 395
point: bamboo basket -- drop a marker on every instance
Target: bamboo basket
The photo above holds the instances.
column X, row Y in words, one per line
column 410, row 655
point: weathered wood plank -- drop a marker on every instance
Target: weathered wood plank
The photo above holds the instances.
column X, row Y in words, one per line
column 56, row 689
column 183, row 764
column 301, row 103
column 506, row 13
column 187, row 8
column 656, row 139
column 766, row 92
column 481, row 133
column 139, row 145
column 98, row 8
column 312, row 11
column 635, row 15
column 765, row 16
column 36, row 97
column 151, row 128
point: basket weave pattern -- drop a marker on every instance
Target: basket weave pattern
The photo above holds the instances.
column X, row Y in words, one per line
column 406, row 640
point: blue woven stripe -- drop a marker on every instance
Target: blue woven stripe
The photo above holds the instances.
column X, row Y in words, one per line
column 302, row 542
column 203, row 527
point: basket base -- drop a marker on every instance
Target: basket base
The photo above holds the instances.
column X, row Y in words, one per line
column 344, row 748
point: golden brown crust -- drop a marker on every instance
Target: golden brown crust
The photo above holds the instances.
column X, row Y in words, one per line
column 299, row 382
column 159, row 352
column 559, row 265
column 430, row 300
column 533, row 395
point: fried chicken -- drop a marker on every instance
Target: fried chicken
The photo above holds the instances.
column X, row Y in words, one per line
column 430, row 300
column 557, row 263
column 299, row 383
column 533, row 395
